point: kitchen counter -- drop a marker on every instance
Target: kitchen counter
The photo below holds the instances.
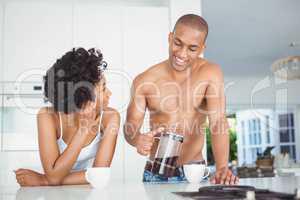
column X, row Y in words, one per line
column 131, row 191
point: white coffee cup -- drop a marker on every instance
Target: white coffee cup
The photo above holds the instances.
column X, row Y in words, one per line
column 195, row 173
column 98, row 177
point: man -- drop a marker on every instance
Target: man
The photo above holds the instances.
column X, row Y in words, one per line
column 180, row 94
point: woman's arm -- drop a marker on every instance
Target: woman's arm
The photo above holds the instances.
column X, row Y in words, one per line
column 106, row 150
column 52, row 161
column 56, row 166
column 104, row 156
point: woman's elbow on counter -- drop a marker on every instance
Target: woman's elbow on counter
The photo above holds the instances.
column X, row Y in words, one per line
column 53, row 181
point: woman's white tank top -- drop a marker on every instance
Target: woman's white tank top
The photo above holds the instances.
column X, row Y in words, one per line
column 87, row 153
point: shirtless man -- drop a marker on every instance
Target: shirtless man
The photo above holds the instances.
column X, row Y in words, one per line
column 181, row 93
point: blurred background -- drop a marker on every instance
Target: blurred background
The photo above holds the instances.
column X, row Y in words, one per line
column 258, row 46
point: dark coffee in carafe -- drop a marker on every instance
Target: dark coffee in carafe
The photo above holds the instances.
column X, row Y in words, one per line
column 167, row 153
column 165, row 166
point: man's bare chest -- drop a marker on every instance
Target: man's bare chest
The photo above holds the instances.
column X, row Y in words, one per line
column 170, row 97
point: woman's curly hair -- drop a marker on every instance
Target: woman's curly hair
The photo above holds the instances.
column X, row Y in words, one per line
column 70, row 82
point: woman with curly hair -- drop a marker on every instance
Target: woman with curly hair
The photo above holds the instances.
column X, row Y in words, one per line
column 79, row 129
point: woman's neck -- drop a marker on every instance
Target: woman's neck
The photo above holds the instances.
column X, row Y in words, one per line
column 73, row 119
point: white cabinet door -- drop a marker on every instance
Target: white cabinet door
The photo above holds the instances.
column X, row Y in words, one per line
column 1, row 117
column 97, row 25
column 145, row 37
column 145, row 44
column 19, row 128
column 14, row 160
column 1, row 41
column 35, row 35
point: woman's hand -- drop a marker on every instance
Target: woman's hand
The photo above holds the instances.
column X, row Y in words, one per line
column 89, row 120
column 27, row 177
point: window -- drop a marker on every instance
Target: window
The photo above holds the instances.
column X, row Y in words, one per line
column 287, row 134
column 292, row 133
column 294, row 152
column 243, row 133
column 255, row 131
column 255, row 137
column 286, row 120
column 284, row 135
column 258, row 132
column 268, row 137
column 259, row 150
column 290, row 149
column 253, row 154
column 283, row 120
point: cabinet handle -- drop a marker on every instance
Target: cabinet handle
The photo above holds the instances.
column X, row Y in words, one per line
column 9, row 97
column 37, row 88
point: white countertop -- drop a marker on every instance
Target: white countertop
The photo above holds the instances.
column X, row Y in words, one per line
column 133, row 191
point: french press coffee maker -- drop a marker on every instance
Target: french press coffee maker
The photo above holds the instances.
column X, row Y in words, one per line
column 169, row 147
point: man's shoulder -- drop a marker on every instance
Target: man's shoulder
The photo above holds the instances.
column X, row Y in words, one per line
column 151, row 74
column 209, row 68
column 208, row 65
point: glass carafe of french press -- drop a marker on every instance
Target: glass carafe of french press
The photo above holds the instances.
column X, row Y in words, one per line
column 165, row 161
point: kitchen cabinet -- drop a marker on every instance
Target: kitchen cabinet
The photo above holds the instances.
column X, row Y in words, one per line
column 19, row 129
column 97, row 25
column 1, row 42
column 35, row 35
column 19, row 111
column 145, row 42
column 12, row 160
column 1, row 118
column 100, row 26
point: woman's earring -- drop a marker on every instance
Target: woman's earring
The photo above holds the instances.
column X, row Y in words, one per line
column 103, row 65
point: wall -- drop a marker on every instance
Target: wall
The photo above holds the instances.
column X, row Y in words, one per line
column 258, row 91
column 178, row 8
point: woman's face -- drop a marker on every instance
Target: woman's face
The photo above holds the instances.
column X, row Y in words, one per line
column 102, row 94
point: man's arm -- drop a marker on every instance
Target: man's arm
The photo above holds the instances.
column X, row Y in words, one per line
column 135, row 112
column 217, row 118
column 134, row 120
column 219, row 127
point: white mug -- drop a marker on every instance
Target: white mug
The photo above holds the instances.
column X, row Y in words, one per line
column 98, row 177
column 195, row 173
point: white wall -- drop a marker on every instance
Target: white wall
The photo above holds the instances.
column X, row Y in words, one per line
column 260, row 91
column 35, row 34
column 179, row 8
column 1, row 42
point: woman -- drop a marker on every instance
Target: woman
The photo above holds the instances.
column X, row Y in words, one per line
column 79, row 127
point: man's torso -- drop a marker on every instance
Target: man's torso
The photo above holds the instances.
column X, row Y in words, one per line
column 179, row 106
